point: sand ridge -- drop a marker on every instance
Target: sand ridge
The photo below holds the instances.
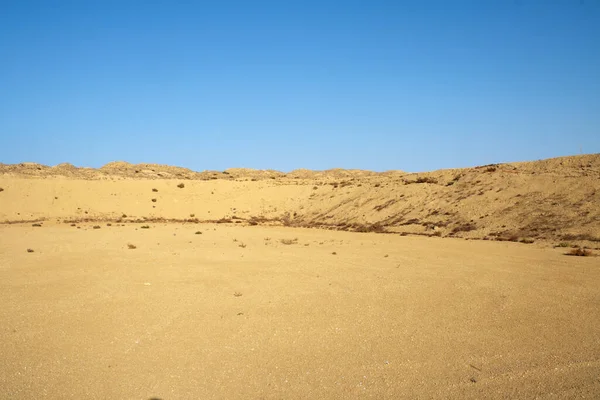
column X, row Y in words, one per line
column 549, row 201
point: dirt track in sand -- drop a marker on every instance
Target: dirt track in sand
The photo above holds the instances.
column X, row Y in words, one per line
column 235, row 313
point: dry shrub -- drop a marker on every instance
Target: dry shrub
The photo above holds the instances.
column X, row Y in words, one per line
column 155, row 190
column 464, row 228
column 131, row 246
column 579, row 252
column 96, row 226
column 581, row 236
column 289, row 241
column 422, row 179
column 145, row 227
column 30, row 250
column 181, row 186
column 376, row 227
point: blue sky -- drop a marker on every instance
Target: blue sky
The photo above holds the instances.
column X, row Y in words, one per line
column 379, row 85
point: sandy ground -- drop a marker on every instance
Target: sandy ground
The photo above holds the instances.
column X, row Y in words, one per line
column 235, row 313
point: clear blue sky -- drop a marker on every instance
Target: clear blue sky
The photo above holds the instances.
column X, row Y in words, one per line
column 412, row 85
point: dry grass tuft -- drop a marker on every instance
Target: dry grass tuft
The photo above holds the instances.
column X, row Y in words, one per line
column 30, row 250
column 181, row 186
column 289, row 241
column 131, row 246
column 145, row 227
column 96, row 226
column 155, row 190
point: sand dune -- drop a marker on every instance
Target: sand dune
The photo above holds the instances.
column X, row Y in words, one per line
column 174, row 284
column 547, row 201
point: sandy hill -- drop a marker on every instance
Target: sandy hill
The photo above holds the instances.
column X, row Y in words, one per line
column 554, row 200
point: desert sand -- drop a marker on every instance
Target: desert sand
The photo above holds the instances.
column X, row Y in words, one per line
column 157, row 282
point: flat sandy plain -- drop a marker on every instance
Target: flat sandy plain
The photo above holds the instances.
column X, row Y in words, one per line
column 203, row 310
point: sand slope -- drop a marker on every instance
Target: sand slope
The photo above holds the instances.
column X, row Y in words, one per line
column 554, row 200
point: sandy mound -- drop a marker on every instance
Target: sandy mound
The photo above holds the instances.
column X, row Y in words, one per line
column 554, row 200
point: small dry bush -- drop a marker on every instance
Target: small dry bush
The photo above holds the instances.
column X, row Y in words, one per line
column 581, row 236
column 96, row 226
column 289, row 241
column 155, row 190
column 181, row 186
column 579, row 252
column 464, row 228
column 376, row 227
column 145, row 227
column 131, row 246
